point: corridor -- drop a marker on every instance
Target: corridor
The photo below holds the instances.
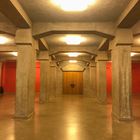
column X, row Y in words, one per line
column 71, row 117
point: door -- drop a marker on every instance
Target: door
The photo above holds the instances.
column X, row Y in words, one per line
column 73, row 83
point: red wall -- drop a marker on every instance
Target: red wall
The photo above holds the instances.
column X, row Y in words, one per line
column 135, row 77
column 9, row 76
column 109, row 77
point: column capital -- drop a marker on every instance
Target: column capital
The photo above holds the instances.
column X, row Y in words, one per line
column 102, row 56
column 24, row 37
column 122, row 37
column 43, row 55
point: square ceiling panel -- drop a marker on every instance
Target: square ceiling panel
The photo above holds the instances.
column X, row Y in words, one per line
column 102, row 10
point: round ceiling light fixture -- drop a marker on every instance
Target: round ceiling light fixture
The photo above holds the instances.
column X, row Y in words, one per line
column 73, row 5
column 73, row 39
column 73, row 61
column 74, row 54
column 3, row 40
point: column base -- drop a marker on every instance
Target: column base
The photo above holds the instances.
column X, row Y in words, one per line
column 19, row 116
column 114, row 116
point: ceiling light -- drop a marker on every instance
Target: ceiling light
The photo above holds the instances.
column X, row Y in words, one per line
column 73, row 54
column 73, row 39
column 3, row 40
column 72, row 61
column 73, row 5
column 14, row 53
column 133, row 54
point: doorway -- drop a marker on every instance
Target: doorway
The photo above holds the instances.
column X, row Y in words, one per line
column 73, row 83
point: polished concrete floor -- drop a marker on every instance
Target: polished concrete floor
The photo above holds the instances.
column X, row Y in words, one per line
column 67, row 118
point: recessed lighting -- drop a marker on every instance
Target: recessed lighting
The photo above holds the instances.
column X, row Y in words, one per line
column 72, row 61
column 73, row 39
column 14, row 53
column 73, row 5
column 73, row 54
column 133, row 54
column 3, row 40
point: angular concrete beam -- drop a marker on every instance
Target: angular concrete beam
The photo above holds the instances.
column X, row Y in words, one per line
column 130, row 16
column 136, row 29
column 8, row 48
column 105, row 29
column 135, row 49
column 7, row 28
column 57, row 50
column 43, row 44
column 14, row 11
column 104, row 45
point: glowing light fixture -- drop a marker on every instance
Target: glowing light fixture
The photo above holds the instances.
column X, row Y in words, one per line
column 3, row 40
column 73, row 39
column 133, row 54
column 73, row 5
column 73, row 54
column 14, row 53
column 72, row 61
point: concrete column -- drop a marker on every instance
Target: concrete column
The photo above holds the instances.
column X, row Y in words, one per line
column 59, row 82
column 53, row 79
column 93, row 79
column 25, row 74
column 44, row 76
column 101, row 77
column 121, row 75
column 86, row 82
column 121, row 82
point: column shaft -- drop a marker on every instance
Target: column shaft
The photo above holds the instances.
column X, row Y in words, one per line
column 101, row 81
column 121, row 82
column 25, row 81
column 44, row 76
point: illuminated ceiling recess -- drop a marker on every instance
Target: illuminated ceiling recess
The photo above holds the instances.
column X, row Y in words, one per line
column 3, row 40
column 73, row 39
column 72, row 61
column 73, row 54
column 73, row 5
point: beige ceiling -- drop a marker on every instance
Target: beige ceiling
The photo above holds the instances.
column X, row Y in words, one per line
column 102, row 10
column 56, row 40
column 3, row 18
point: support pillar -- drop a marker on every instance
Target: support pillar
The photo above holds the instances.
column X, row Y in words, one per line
column 86, row 82
column 93, row 79
column 52, row 81
column 121, row 75
column 59, row 82
column 101, row 77
column 44, row 76
column 25, row 74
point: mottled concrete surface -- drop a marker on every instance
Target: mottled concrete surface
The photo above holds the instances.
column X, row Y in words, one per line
column 67, row 118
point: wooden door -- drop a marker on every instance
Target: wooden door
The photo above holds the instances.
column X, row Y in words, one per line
column 73, row 83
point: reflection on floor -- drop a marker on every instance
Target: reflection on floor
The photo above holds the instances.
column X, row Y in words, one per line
column 67, row 118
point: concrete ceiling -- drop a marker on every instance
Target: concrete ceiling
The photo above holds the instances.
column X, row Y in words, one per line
column 57, row 40
column 102, row 10
column 3, row 18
